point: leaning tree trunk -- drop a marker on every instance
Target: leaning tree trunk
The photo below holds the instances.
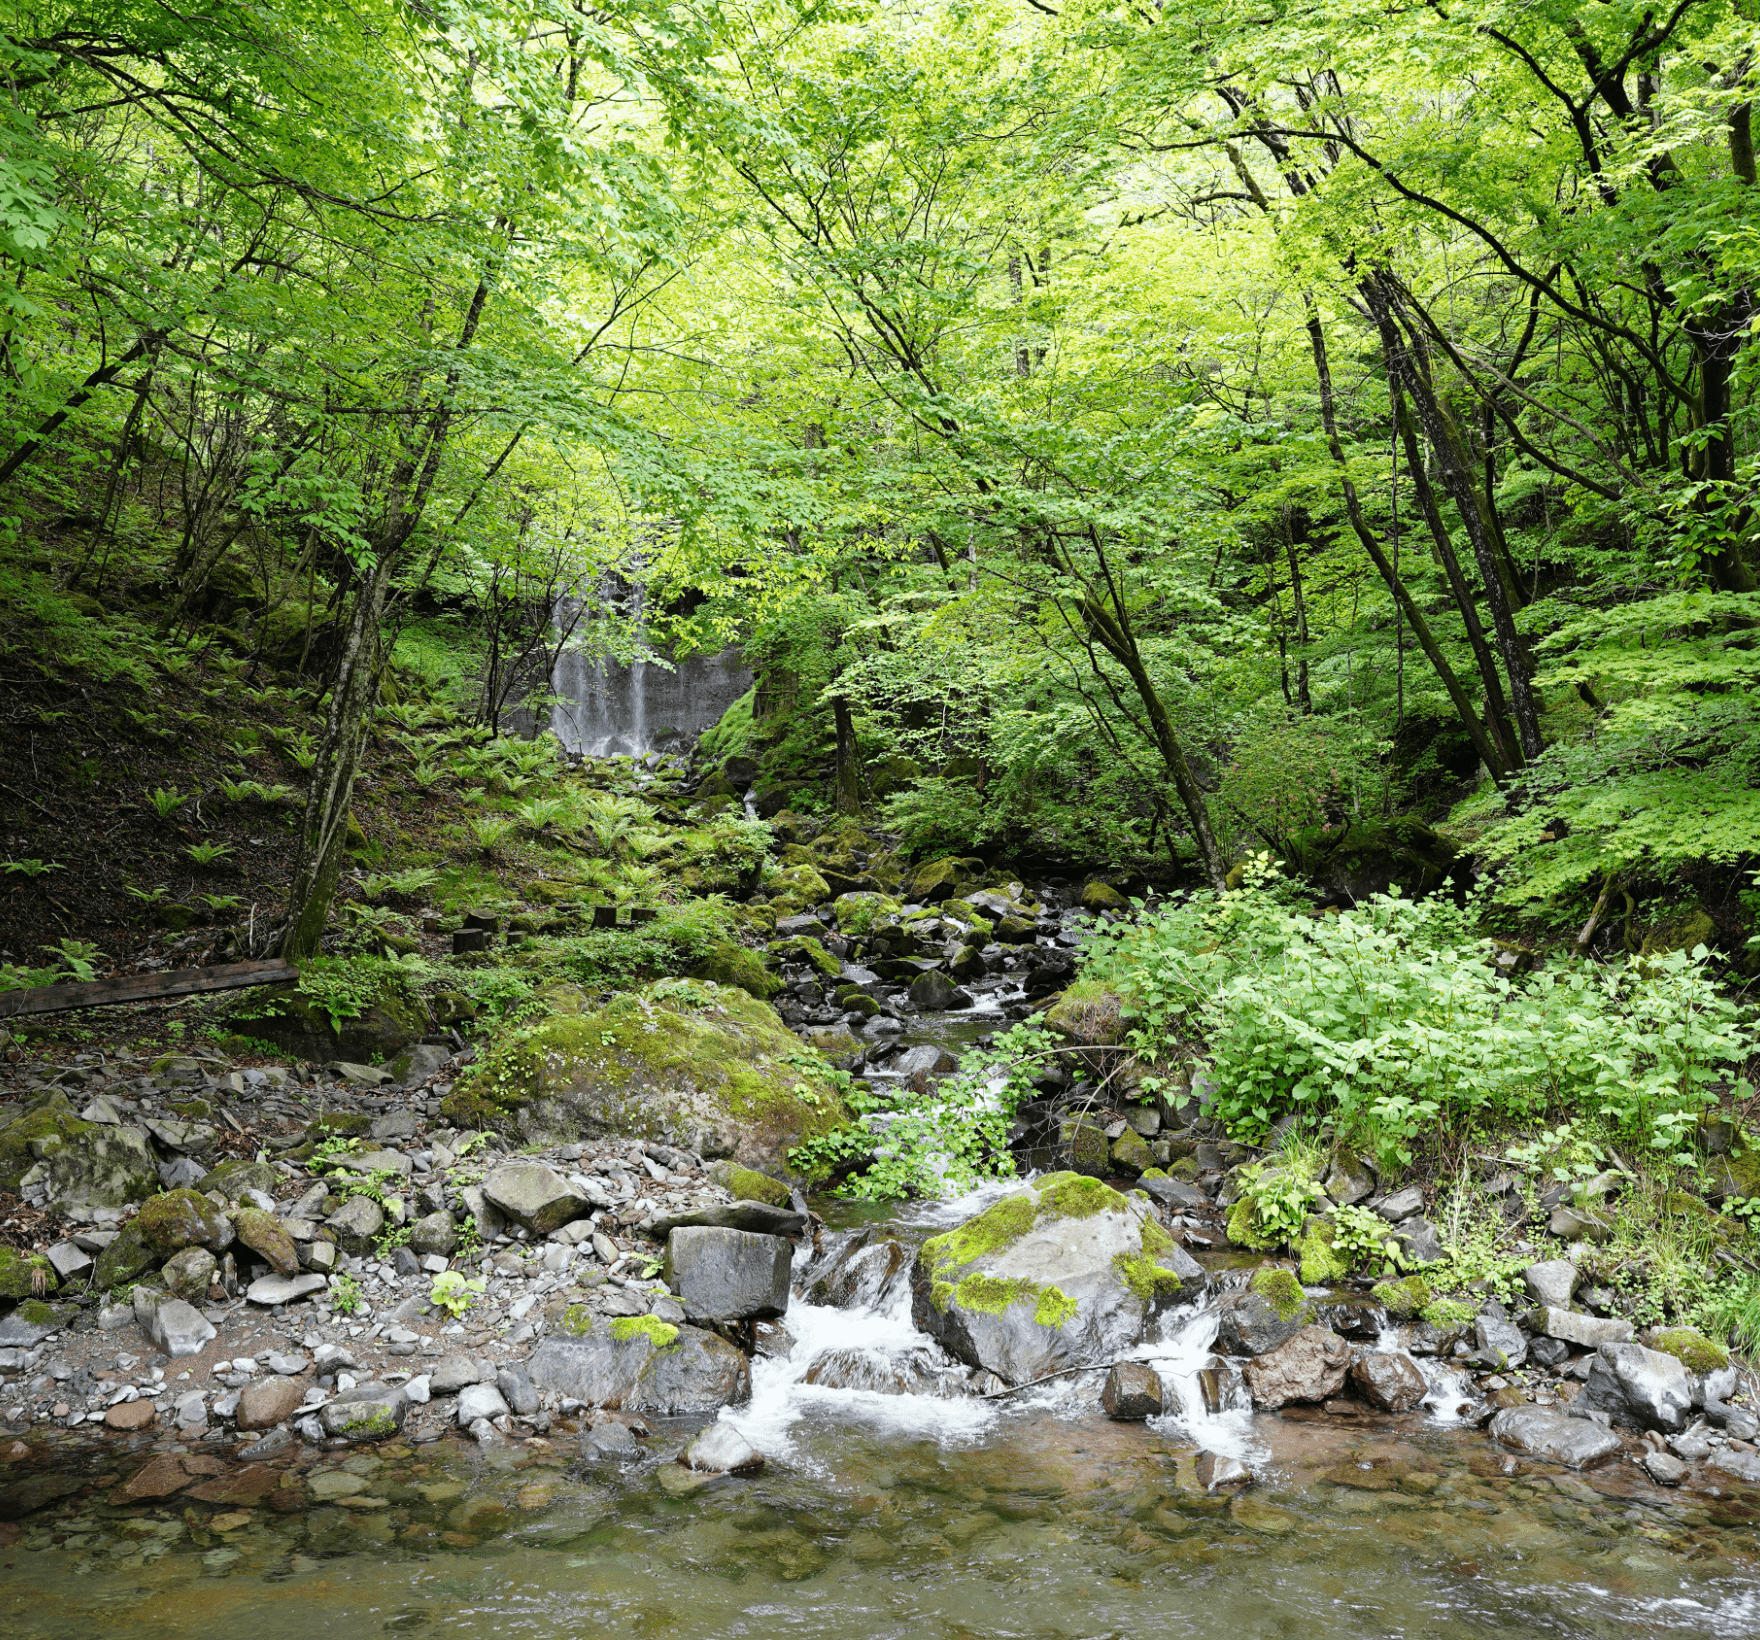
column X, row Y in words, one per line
column 324, row 834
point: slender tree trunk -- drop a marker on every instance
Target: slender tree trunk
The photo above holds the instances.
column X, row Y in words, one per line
column 1458, row 480
column 849, row 772
column 100, row 377
column 1497, row 708
column 1463, row 705
column 1303, row 698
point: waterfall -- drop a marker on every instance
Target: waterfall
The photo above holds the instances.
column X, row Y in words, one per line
column 605, row 707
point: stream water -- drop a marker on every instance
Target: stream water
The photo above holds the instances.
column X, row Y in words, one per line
column 916, row 1514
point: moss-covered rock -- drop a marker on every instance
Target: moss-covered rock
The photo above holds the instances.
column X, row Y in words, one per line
column 1691, row 1348
column 1083, row 1148
column 729, row 964
column 1280, row 1289
column 939, row 880
column 1102, row 896
column 265, row 1235
column 1089, row 1014
column 299, row 1025
column 673, row 1061
column 36, row 1135
column 1243, row 1232
column 25, row 1275
column 1131, row 1153
column 1064, row 1272
column 747, row 1184
column 1350, row 862
column 857, row 913
column 804, row 948
column 795, row 887
column 180, row 1219
column 1321, row 1262
column 1403, row 1299
column 125, row 1259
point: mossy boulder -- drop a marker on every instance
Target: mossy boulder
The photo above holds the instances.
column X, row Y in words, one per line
column 729, row 964
column 180, row 1219
column 1280, row 1289
column 940, row 880
column 1066, row 1272
column 1131, row 1153
column 747, row 1184
column 125, row 1259
column 1102, row 896
column 1321, row 1262
column 25, row 1275
column 36, row 1135
column 858, row 912
column 1691, row 1348
column 265, row 1235
column 795, row 887
column 1402, row 1299
column 297, row 1024
column 890, row 775
column 1083, row 1148
column 1243, row 1232
column 1352, row 861
column 804, row 948
column 1089, row 1014
column 678, row 1060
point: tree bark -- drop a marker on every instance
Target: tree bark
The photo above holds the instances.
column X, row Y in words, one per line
column 1463, row 705
column 1458, row 480
column 849, row 772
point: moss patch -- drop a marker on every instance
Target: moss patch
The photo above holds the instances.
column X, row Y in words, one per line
column 1403, row 1298
column 1321, row 1263
column 35, row 1135
column 1281, row 1290
column 1692, row 1349
column 25, row 1275
column 1241, row 1231
column 1055, row 1307
column 747, row 1184
column 661, row 1335
column 178, row 1219
column 1089, row 1014
column 1075, row 1196
column 728, row 964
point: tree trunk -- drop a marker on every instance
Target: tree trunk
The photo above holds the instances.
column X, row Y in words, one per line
column 1496, row 707
column 1353, row 509
column 324, row 834
column 849, row 773
column 1458, row 480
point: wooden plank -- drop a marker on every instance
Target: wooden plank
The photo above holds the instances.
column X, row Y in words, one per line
column 174, row 982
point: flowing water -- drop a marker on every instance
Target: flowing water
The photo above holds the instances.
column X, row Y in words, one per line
column 923, row 1514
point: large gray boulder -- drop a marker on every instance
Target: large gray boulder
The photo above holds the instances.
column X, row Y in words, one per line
column 368, row 1412
column 728, row 1275
column 534, row 1195
column 1501, row 1342
column 759, row 1217
column 104, row 1167
column 356, row 1224
column 1251, row 1324
column 1552, row 1282
column 1063, row 1273
column 1542, row 1432
column 639, row 1364
column 1640, row 1387
column 1389, row 1379
column 1573, row 1327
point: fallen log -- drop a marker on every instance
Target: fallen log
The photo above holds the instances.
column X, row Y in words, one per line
column 173, row 982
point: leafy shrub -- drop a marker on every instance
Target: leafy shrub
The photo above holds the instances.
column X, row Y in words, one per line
column 1389, row 1017
column 937, row 816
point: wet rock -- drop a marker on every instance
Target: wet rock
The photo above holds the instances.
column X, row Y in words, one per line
column 728, row 1275
column 759, row 1217
column 721, row 1449
column 1218, row 1472
column 1573, row 1327
column 1064, row 1273
column 369, row 1412
column 924, row 1370
column 1132, row 1392
column 637, row 1364
column 1664, row 1468
column 285, row 1289
column 1639, row 1387
column 1552, row 1283
column 935, row 993
column 268, row 1402
column 480, row 1401
column 1389, row 1380
column 1310, row 1366
column 170, row 1323
column 534, row 1195
column 131, row 1415
column 1500, row 1342
column 36, row 1492
column 1258, row 1320
column 1738, row 1464
column 1542, row 1432
column 1178, row 1194
column 101, row 1168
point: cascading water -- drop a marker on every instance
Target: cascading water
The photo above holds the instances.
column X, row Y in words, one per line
column 606, row 707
